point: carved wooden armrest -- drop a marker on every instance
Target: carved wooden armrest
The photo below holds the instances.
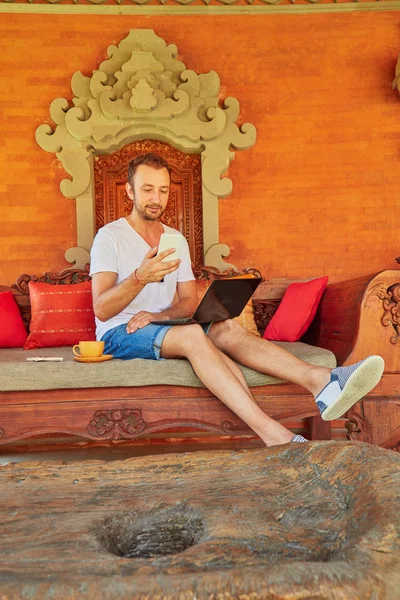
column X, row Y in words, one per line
column 360, row 317
column 391, row 305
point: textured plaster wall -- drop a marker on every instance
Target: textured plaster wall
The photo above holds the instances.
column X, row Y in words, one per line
column 317, row 194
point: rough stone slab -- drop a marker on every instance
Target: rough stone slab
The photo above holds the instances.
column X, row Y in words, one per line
column 300, row 521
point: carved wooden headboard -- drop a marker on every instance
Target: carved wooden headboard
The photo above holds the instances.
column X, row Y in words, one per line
column 184, row 211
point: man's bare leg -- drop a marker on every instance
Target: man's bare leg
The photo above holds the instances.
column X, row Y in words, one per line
column 223, row 378
column 266, row 357
column 335, row 391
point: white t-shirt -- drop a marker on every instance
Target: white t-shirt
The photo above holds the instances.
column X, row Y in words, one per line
column 118, row 248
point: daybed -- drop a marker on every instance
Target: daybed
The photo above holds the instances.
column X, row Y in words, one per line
column 124, row 400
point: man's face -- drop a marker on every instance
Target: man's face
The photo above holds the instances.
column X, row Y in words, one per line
column 150, row 192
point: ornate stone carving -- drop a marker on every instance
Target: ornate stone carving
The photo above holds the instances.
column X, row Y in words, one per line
column 143, row 91
column 215, row 256
column 77, row 256
column 390, row 298
column 116, row 424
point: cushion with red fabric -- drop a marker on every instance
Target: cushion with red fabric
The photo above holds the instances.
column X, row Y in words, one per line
column 12, row 330
column 62, row 315
column 296, row 311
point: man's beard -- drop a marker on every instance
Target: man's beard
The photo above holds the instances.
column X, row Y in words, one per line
column 148, row 216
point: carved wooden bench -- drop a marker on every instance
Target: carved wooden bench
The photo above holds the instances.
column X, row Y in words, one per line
column 355, row 318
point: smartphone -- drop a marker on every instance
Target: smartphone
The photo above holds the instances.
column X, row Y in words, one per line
column 169, row 241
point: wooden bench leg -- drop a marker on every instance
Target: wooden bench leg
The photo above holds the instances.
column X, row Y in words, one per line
column 319, row 429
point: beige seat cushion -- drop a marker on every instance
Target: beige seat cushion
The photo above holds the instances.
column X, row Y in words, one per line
column 17, row 374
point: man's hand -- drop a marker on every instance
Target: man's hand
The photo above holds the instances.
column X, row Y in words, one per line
column 142, row 319
column 152, row 269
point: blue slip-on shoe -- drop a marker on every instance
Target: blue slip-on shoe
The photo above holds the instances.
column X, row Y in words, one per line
column 348, row 385
column 298, row 438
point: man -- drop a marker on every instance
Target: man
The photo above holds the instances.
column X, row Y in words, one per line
column 133, row 287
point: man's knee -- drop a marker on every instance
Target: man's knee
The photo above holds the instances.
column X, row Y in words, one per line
column 182, row 339
column 226, row 331
column 192, row 334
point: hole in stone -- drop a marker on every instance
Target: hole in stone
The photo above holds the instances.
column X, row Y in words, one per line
column 158, row 532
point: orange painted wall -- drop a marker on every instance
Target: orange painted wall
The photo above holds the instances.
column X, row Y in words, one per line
column 317, row 194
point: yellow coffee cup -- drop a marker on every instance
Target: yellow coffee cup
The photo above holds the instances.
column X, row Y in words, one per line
column 89, row 349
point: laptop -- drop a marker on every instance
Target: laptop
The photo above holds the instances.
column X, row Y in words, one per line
column 224, row 299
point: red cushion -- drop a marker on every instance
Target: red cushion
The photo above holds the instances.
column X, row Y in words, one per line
column 296, row 311
column 12, row 331
column 62, row 315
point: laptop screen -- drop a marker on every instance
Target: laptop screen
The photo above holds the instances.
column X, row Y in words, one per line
column 225, row 299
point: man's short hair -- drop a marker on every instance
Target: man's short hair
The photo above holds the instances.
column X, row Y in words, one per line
column 150, row 160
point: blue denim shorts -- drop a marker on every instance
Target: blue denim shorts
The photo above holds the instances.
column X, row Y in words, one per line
column 143, row 343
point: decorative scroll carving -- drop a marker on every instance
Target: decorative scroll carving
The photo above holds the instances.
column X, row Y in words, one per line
column 390, row 298
column 184, row 210
column 391, row 305
column 264, row 310
column 228, row 427
column 357, row 430
column 1, row 433
column 143, row 91
column 225, row 427
column 116, row 424
column 211, row 273
column 78, row 257
column 65, row 277
column 356, row 427
column 208, row 3
column 215, row 256
column 124, row 424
